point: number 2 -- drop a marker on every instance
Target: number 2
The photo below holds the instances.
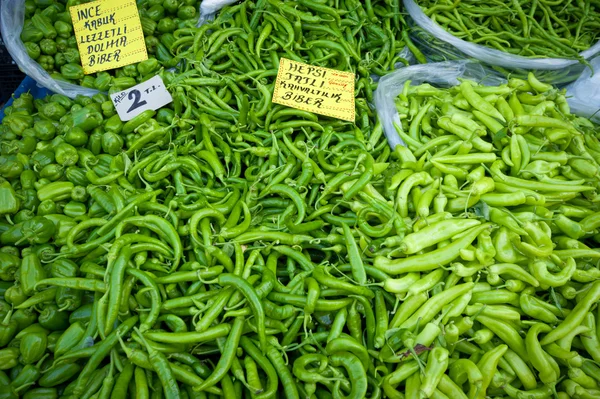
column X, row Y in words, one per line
column 135, row 95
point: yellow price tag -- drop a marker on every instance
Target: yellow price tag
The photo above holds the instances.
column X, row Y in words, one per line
column 315, row 89
column 109, row 34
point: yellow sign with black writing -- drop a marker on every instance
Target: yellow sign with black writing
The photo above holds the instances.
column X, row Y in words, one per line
column 315, row 89
column 109, row 34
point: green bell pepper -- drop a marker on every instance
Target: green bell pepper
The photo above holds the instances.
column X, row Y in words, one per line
column 52, row 172
column 75, row 209
column 25, row 318
column 87, row 119
column 72, row 71
column 45, row 130
column 8, row 329
column 53, row 319
column 33, row 346
column 9, row 264
column 53, row 111
column 166, row 25
column 59, row 60
column 48, row 47
column 18, row 122
column 31, row 272
column 42, row 158
column 9, row 203
column 112, row 143
column 31, row 34
column 170, row 6
column 186, row 12
column 64, row 268
column 33, row 50
column 148, row 66
column 63, row 29
column 44, row 24
column 76, row 137
column 38, row 230
column 151, row 43
column 27, row 178
column 56, row 191
column 15, row 295
column 102, row 81
column 72, row 42
column 66, row 154
column 68, row 299
column 76, row 176
column 113, row 124
column 9, row 358
column 88, row 81
column 46, row 62
column 10, row 166
column 62, row 44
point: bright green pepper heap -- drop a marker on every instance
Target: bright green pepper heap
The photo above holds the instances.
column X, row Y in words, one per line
column 49, row 40
column 227, row 246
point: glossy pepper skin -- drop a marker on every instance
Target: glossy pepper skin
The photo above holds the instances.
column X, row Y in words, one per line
column 15, row 295
column 31, row 273
column 87, row 119
column 8, row 329
column 44, row 129
column 64, row 268
column 48, row 47
column 33, row 50
column 27, row 377
column 10, row 166
column 9, row 358
column 31, row 34
column 9, row 203
column 53, row 319
column 68, row 299
column 72, row 71
column 33, row 346
column 9, row 264
column 25, row 318
column 37, row 230
column 102, row 81
column 72, row 55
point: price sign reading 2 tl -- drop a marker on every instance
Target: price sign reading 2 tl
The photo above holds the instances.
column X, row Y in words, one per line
column 151, row 94
column 109, row 34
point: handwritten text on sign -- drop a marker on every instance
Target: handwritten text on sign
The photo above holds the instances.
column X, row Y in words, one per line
column 151, row 94
column 310, row 88
column 109, row 34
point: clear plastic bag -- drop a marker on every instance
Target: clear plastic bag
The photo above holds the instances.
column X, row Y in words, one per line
column 583, row 95
column 440, row 74
column 209, row 8
column 439, row 45
column 12, row 18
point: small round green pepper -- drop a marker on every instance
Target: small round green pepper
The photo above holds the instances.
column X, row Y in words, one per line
column 33, row 346
column 53, row 319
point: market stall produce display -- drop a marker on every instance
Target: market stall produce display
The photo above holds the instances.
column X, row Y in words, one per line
column 49, row 39
column 226, row 246
column 530, row 29
column 513, row 37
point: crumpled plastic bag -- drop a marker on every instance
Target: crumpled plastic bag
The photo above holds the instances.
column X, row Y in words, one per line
column 12, row 18
column 440, row 74
column 583, row 95
column 439, row 45
column 208, row 9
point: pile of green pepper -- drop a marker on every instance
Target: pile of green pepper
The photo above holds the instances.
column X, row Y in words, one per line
column 226, row 246
column 49, row 40
column 538, row 29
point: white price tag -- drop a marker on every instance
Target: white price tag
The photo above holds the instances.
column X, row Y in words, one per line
column 151, row 94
